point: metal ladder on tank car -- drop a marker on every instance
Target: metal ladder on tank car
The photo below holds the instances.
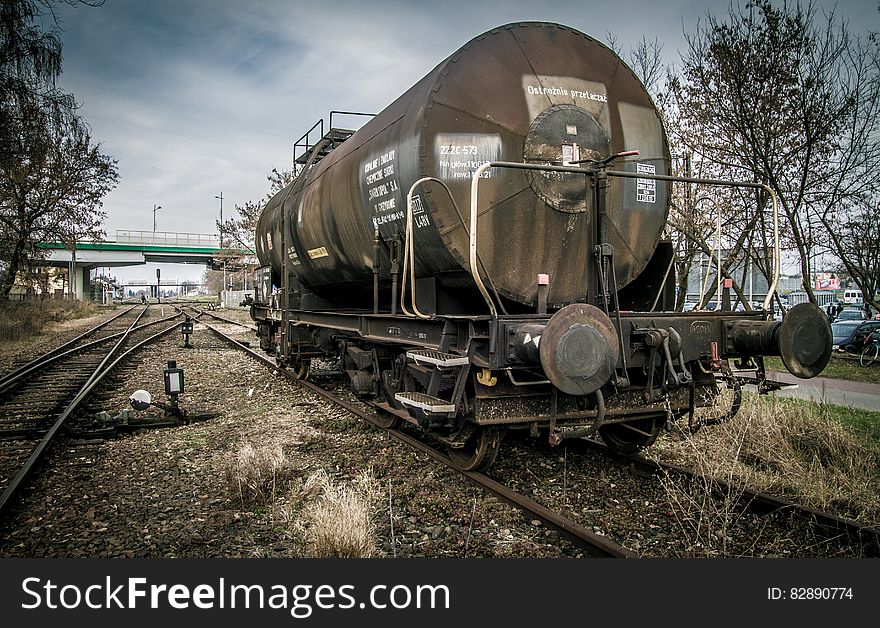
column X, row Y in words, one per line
column 437, row 364
column 313, row 153
column 306, row 154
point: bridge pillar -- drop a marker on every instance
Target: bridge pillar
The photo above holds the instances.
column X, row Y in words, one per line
column 80, row 281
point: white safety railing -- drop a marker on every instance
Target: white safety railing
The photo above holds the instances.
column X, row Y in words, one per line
column 164, row 238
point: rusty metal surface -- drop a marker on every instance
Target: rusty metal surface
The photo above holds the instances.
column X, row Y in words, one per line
column 805, row 340
column 579, row 349
column 511, row 94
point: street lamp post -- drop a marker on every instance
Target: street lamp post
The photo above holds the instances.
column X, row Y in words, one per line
column 221, row 218
column 155, row 209
column 221, row 239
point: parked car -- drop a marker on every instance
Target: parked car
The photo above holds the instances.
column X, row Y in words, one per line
column 851, row 314
column 692, row 305
column 850, row 335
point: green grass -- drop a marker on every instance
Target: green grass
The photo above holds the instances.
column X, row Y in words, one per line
column 841, row 366
column 862, row 423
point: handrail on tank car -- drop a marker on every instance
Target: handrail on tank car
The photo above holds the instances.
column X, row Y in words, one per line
column 475, row 182
column 777, row 257
column 409, row 247
column 409, row 261
column 306, row 145
column 350, row 113
column 304, row 142
column 705, row 282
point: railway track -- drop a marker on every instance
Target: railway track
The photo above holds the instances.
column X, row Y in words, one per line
column 201, row 312
column 823, row 525
column 528, row 467
column 113, row 325
column 38, row 399
column 595, row 545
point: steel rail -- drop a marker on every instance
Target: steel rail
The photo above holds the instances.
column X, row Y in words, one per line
column 40, row 450
column 868, row 538
column 14, row 378
column 220, row 318
column 61, row 348
column 598, row 546
column 759, row 502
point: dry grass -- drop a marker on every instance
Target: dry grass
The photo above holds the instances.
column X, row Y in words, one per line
column 337, row 520
column 790, row 449
column 780, row 446
column 257, row 472
column 21, row 319
column 709, row 504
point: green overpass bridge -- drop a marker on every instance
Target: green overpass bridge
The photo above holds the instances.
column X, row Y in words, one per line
column 132, row 248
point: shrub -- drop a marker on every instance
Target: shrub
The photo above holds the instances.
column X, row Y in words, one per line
column 21, row 319
column 338, row 521
column 256, row 473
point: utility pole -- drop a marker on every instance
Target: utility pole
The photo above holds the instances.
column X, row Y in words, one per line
column 221, row 240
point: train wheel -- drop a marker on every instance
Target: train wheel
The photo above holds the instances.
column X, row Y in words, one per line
column 479, row 451
column 387, row 419
column 628, row 438
column 300, row 367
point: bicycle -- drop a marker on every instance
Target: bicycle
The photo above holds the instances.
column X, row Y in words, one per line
column 871, row 351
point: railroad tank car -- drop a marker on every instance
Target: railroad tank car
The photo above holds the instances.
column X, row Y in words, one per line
column 525, row 93
column 485, row 254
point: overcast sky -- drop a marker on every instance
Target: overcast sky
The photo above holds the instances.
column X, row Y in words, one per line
column 198, row 97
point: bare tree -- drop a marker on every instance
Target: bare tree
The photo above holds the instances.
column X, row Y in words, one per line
column 30, row 62
column 239, row 233
column 646, row 60
column 240, row 230
column 848, row 207
column 858, row 237
column 53, row 195
column 52, row 177
column 771, row 93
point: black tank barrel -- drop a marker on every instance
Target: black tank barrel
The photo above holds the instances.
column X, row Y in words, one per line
column 526, row 92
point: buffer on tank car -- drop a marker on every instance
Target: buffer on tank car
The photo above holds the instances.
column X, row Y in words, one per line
column 485, row 254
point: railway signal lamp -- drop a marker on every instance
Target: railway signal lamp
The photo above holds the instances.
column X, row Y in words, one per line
column 173, row 378
column 141, row 399
column 173, row 381
column 186, row 328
